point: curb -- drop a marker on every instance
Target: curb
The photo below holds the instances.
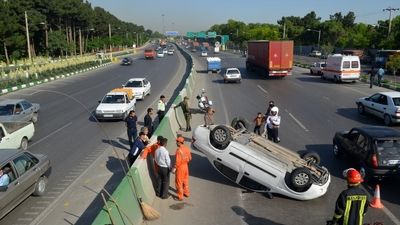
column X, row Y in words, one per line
column 34, row 83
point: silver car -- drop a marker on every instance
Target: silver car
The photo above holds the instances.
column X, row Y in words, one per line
column 260, row 165
column 27, row 174
column 232, row 74
column 18, row 110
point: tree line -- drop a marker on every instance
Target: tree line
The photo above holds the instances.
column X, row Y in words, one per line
column 62, row 28
column 339, row 31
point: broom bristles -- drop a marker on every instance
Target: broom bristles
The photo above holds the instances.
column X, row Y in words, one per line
column 148, row 212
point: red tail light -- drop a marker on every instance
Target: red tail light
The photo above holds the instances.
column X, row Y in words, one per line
column 397, row 112
column 374, row 161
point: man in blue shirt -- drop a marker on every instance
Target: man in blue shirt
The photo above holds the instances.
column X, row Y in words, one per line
column 131, row 126
column 4, row 178
column 137, row 148
column 380, row 73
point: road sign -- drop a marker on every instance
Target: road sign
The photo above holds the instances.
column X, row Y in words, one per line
column 190, row 34
column 212, row 34
column 224, row 39
column 171, row 33
column 201, row 35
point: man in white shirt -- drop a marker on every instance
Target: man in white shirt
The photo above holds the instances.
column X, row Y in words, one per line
column 161, row 108
column 163, row 162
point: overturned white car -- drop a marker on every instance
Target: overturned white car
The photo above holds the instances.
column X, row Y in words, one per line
column 260, row 165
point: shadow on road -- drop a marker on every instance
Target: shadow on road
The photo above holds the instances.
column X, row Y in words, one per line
column 314, row 79
column 352, row 113
column 121, row 143
column 250, row 219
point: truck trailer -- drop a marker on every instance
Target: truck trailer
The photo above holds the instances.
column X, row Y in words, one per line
column 274, row 58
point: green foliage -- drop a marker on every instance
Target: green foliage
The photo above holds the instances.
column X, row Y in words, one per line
column 393, row 63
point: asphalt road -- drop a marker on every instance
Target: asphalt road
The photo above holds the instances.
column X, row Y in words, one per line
column 68, row 134
column 312, row 111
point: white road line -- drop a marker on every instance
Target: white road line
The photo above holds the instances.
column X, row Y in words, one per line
column 262, row 89
column 297, row 121
column 391, row 216
column 25, row 219
column 54, row 132
column 31, row 213
column 298, row 85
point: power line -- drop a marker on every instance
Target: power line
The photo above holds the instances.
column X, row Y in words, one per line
column 390, row 9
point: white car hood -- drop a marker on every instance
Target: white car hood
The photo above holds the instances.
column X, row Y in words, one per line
column 106, row 106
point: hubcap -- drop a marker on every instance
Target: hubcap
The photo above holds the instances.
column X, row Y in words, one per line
column 220, row 135
column 302, row 179
column 41, row 186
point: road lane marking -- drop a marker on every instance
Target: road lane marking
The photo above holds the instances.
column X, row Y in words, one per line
column 52, row 133
column 297, row 121
column 31, row 213
column 391, row 216
column 262, row 89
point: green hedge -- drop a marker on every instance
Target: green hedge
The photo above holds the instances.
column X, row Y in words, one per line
column 49, row 73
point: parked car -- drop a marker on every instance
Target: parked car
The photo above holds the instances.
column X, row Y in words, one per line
column 16, row 135
column 165, row 50
column 315, row 53
column 126, row 61
column 385, row 105
column 204, row 53
column 317, row 67
column 28, row 175
column 160, row 54
column 170, row 52
column 260, row 165
column 232, row 74
column 374, row 149
column 18, row 110
column 140, row 87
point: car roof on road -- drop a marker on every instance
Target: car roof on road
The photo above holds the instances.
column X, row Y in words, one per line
column 6, row 154
column 391, row 93
column 10, row 101
column 379, row 132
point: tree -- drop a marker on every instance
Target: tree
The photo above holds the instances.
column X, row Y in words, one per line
column 393, row 63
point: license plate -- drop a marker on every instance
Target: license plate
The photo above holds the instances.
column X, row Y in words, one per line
column 108, row 115
column 394, row 162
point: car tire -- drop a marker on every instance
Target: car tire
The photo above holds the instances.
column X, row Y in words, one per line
column 311, row 157
column 361, row 109
column 239, row 122
column 34, row 117
column 41, row 186
column 335, row 80
column 387, row 120
column 300, row 179
column 220, row 137
column 311, row 72
column 323, row 77
column 337, row 151
column 24, row 144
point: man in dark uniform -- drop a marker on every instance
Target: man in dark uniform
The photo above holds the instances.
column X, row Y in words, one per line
column 148, row 122
column 131, row 127
column 186, row 112
column 352, row 203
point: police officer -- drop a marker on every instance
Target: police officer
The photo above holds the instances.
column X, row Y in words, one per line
column 131, row 127
column 186, row 112
column 352, row 203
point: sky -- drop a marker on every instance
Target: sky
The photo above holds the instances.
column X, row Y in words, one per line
column 189, row 15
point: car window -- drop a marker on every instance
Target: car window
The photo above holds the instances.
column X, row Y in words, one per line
column 383, row 100
column 7, row 169
column 252, row 184
column 233, row 71
column 23, row 163
column 396, row 101
column 135, row 83
column 126, row 99
column 228, row 172
column 6, row 110
column 375, row 98
column 354, row 64
column 362, row 144
column 18, row 109
column 26, row 105
column 113, row 99
column 346, row 64
column 388, row 151
column 352, row 135
column 323, row 64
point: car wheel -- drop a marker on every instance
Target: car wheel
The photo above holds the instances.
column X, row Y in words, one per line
column 300, row 179
column 335, row 80
column 239, row 122
column 336, row 150
column 322, row 77
column 361, row 108
column 24, row 143
column 311, row 72
column 220, row 137
column 387, row 120
column 312, row 158
column 34, row 117
column 41, row 186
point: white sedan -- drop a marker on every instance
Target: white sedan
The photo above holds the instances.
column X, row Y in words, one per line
column 385, row 105
column 317, row 67
column 232, row 74
column 140, row 87
column 257, row 164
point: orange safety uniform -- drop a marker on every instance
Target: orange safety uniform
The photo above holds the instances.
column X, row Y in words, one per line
column 183, row 157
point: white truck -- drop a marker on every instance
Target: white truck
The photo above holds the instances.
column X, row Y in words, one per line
column 116, row 105
column 16, row 135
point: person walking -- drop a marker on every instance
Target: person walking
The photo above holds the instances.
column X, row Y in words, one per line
column 186, row 112
column 181, row 169
column 272, row 123
column 258, row 122
column 371, row 77
column 352, row 203
column 137, row 148
column 267, row 130
column 131, row 126
column 380, row 73
column 148, row 121
column 163, row 162
column 161, row 108
column 209, row 117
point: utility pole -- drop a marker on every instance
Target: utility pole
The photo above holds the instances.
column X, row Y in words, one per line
column 27, row 37
column 109, row 37
column 390, row 9
column 80, row 42
column 284, row 30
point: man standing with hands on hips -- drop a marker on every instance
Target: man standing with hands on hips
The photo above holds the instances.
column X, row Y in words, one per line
column 181, row 169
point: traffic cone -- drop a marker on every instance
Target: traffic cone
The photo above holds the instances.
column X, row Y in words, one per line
column 376, row 201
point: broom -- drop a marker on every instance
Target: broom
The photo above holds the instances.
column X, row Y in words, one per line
column 149, row 213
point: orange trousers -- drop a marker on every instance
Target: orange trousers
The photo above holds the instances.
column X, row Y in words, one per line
column 182, row 181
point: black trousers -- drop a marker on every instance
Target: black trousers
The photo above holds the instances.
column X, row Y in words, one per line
column 257, row 129
column 162, row 182
column 273, row 135
column 132, row 134
column 161, row 115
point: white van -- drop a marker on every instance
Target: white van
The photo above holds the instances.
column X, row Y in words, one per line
column 342, row 68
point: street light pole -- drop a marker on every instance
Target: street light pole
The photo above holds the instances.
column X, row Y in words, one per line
column 319, row 35
column 27, row 37
column 109, row 36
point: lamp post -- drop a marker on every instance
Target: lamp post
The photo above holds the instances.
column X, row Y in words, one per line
column 319, row 35
column 27, row 37
column 44, row 24
column 109, row 37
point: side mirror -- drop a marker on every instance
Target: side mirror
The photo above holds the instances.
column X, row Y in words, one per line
column 99, row 101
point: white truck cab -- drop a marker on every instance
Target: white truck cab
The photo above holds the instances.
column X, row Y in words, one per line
column 116, row 105
column 15, row 135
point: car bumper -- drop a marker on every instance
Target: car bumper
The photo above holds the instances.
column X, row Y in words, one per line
column 315, row 191
column 393, row 172
column 110, row 116
column 233, row 79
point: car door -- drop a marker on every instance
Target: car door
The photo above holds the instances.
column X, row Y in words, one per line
column 382, row 106
column 361, row 148
column 28, row 110
column 9, row 195
column 231, row 162
column 349, row 141
column 371, row 104
column 259, row 176
column 25, row 169
column 146, row 86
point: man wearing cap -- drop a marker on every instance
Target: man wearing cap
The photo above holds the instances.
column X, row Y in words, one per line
column 161, row 108
column 186, row 112
column 352, row 203
column 181, row 168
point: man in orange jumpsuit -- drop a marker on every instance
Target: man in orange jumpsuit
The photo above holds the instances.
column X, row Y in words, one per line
column 182, row 159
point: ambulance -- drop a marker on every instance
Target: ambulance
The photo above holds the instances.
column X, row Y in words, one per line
column 342, row 68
